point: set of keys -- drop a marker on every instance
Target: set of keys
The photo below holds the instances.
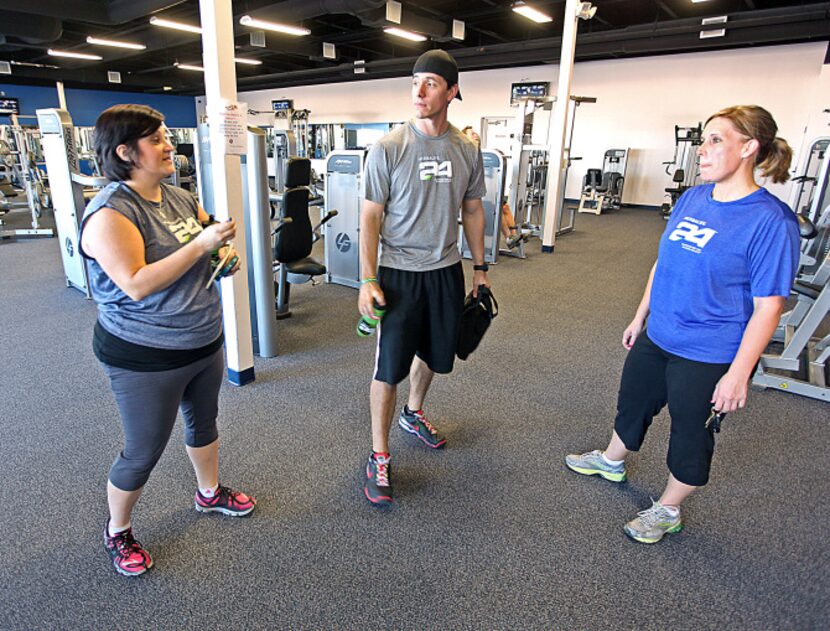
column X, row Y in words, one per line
column 714, row 420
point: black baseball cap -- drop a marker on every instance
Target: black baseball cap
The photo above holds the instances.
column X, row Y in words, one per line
column 439, row 62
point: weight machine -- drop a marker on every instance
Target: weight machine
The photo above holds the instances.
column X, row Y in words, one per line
column 602, row 189
column 683, row 167
column 19, row 174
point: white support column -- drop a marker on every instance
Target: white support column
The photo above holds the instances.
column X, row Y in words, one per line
column 557, row 160
column 220, row 87
column 61, row 96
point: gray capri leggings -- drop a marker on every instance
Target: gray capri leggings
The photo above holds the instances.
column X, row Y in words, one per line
column 149, row 402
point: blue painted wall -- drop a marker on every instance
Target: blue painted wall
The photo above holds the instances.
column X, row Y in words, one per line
column 85, row 105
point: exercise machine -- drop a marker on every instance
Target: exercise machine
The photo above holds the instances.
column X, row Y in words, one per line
column 806, row 184
column 493, row 162
column 292, row 245
column 530, row 167
column 21, row 177
column 344, row 192
column 602, row 189
column 683, row 168
column 801, row 367
column 69, row 189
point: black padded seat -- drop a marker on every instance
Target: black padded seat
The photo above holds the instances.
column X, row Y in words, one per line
column 306, row 266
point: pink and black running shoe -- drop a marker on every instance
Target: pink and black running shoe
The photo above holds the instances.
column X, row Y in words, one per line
column 225, row 501
column 127, row 555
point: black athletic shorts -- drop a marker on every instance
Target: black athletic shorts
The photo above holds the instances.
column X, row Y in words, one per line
column 423, row 310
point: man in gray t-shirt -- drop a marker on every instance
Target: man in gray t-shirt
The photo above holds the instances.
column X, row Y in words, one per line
column 417, row 178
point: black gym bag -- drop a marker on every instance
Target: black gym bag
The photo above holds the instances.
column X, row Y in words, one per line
column 475, row 319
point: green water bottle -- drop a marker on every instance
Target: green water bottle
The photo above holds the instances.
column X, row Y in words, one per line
column 367, row 326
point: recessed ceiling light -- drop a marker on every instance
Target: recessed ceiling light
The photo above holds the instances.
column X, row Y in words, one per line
column 179, row 26
column 250, row 62
column 114, row 43
column 189, row 67
column 247, row 20
column 530, row 13
column 399, row 32
column 66, row 53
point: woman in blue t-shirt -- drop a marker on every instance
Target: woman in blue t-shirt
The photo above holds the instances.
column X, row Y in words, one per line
column 159, row 330
column 725, row 266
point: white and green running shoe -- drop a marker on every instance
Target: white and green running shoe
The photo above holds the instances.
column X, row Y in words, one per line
column 592, row 463
column 651, row 524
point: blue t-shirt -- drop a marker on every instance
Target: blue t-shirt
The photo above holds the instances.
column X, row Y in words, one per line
column 714, row 258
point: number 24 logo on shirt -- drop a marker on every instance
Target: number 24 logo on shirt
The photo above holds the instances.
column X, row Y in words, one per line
column 432, row 168
column 693, row 234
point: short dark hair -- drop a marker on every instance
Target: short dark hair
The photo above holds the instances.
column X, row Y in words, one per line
column 122, row 125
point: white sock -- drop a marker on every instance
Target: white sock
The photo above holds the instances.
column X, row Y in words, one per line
column 671, row 510
column 613, row 463
column 114, row 530
column 209, row 492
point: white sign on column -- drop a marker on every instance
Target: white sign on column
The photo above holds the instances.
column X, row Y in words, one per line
column 232, row 118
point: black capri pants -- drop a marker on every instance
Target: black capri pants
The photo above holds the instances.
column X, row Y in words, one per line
column 652, row 378
column 423, row 312
column 148, row 403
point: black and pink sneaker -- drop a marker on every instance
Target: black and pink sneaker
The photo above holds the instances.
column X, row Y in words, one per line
column 225, row 501
column 128, row 557
column 378, row 486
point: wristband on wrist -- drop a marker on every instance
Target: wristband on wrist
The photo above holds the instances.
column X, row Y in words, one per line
column 371, row 279
column 481, row 268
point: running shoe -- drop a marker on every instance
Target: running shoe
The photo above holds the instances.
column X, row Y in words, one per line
column 415, row 423
column 651, row 524
column 225, row 501
column 378, row 487
column 592, row 463
column 127, row 555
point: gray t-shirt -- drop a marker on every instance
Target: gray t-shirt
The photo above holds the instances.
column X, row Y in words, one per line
column 422, row 181
column 182, row 316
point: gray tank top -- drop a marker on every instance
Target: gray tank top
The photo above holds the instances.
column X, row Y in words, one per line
column 182, row 316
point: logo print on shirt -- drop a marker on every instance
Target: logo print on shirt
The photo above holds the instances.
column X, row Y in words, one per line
column 693, row 234
column 184, row 230
column 434, row 170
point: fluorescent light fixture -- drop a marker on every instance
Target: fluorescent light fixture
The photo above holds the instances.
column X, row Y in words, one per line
column 399, row 32
column 699, row 1
column 249, row 62
column 329, row 51
column 111, row 42
column 31, row 65
column 179, row 26
column 167, row 88
column 189, row 67
column 247, row 20
column 458, row 29
column 66, row 53
column 531, row 14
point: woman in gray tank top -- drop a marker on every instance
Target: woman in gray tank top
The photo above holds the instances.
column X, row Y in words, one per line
column 159, row 329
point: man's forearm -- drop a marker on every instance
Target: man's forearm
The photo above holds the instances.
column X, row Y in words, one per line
column 472, row 221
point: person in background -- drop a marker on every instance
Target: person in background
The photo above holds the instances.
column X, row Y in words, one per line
column 511, row 235
column 159, row 330
column 417, row 177
column 725, row 266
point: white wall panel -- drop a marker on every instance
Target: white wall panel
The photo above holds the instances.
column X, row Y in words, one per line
column 639, row 102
